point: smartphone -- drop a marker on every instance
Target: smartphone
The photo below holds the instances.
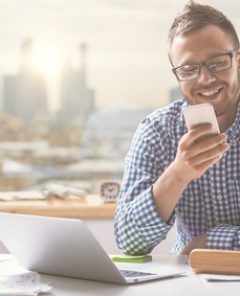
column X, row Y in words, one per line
column 201, row 113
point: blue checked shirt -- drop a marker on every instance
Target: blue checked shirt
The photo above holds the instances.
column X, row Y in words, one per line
column 210, row 204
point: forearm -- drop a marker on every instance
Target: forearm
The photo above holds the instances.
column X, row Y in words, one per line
column 224, row 236
column 167, row 191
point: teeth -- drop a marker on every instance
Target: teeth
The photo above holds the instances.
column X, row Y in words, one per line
column 210, row 93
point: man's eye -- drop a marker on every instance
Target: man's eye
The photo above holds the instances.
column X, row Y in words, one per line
column 218, row 65
column 187, row 71
column 189, row 68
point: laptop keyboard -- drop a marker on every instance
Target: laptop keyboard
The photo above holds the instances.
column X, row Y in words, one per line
column 133, row 273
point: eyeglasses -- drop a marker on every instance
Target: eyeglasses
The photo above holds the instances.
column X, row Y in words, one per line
column 216, row 64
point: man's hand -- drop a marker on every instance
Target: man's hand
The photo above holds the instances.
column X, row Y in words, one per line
column 198, row 242
column 196, row 152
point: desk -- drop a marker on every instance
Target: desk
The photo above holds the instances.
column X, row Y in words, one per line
column 92, row 208
column 182, row 286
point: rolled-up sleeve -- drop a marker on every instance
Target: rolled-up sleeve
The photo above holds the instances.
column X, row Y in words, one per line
column 138, row 225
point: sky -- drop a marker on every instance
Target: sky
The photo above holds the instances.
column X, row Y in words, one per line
column 127, row 44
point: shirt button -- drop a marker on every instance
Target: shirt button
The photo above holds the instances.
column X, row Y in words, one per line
column 219, row 197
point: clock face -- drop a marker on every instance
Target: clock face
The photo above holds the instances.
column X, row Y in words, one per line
column 110, row 190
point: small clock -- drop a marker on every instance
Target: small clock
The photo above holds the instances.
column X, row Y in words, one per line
column 109, row 191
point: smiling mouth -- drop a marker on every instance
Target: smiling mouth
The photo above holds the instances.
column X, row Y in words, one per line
column 210, row 93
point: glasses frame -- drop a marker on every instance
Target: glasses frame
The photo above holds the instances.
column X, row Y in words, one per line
column 231, row 54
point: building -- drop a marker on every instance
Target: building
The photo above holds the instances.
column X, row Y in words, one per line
column 108, row 133
column 77, row 99
column 25, row 94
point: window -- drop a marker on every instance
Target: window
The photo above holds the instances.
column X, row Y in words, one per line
column 76, row 79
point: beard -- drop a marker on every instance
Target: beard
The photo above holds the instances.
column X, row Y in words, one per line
column 229, row 106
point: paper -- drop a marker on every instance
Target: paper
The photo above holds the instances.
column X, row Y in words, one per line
column 51, row 191
column 63, row 192
column 17, row 281
column 28, row 283
column 220, row 277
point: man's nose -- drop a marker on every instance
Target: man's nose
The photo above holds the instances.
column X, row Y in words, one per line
column 205, row 75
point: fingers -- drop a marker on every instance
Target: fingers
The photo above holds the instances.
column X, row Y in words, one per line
column 197, row 141
column 196, row 152
column 196, row 133
column 205, row 163
column 208, row 144
column 198, row 156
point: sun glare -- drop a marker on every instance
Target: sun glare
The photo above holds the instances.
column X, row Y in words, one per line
column 47, row 61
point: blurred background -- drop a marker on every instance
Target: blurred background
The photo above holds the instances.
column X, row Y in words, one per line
column 76, row 78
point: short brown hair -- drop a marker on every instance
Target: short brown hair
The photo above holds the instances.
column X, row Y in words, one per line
column 196, row 16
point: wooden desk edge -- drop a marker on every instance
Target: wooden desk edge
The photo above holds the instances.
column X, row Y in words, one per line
column 70, row 209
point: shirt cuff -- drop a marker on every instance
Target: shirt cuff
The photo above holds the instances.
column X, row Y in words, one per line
column 221, row 237
column 146, row 213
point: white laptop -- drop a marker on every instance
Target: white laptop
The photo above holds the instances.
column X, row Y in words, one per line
column 64, row 247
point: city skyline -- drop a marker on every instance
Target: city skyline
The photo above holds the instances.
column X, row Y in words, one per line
column 25, row 93
column 127, row 61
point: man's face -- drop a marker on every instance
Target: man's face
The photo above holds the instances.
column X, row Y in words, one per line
column 221, row 89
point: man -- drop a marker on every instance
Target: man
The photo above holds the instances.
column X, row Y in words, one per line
column 177, row 176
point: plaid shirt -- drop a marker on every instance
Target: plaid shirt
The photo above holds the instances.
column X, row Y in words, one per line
column 210, row 204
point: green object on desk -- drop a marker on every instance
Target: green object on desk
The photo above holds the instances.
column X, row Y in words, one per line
column 131, row 259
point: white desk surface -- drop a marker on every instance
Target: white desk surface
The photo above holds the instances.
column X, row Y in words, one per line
column 191, row 285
